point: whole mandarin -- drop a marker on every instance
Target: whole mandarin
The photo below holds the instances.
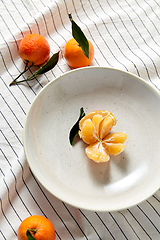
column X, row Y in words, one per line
column 35, row 49
column 42, row 228
column 74, row 55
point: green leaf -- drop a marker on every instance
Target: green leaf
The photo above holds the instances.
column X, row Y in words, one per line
column 49, row 65
column 30, row 236
column 45, row 68
column 74, row 130
column 79, row 36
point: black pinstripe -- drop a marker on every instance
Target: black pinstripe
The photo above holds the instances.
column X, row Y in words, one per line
column 9, row 224
column 144, row 230
column 105, row 225
column 116, row 22
column 130, row 225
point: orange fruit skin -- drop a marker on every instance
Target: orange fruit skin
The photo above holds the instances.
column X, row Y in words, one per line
column 35, row 49
column 45, row 229
column 74, row 55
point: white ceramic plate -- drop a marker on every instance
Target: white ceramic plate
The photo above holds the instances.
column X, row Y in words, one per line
column 64, row 170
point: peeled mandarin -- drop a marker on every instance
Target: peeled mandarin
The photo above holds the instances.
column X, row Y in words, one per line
column 95, row 130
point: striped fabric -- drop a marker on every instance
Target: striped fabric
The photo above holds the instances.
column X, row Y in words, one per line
column 126, row 36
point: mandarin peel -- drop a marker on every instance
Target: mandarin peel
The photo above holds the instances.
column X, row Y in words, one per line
column 94, row 129
column 36, row 227
column 35, row 49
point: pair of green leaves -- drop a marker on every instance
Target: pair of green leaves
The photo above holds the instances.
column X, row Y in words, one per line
column 77, row 34
column 74, row 130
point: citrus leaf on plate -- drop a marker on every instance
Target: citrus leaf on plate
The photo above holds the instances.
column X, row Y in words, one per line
column 74, row 130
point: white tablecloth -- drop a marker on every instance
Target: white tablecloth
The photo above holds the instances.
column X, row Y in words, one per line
column 126, row 36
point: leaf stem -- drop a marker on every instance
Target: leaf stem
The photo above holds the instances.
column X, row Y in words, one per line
column 70, row 17
column 29, row 234
column 26, row 65
column 33, row 230
column 45, row 68
column 24, row 80
column 25, row 70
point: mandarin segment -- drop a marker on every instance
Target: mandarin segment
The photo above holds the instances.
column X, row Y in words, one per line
column 96, row 122
column 87, row 132
column 117, row 137
column 114, row 148
column 94, row 130
column 106, row 125
column 90, row 115
column 97, row 152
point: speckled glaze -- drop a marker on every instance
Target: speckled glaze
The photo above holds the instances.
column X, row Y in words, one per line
column 64, row 170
